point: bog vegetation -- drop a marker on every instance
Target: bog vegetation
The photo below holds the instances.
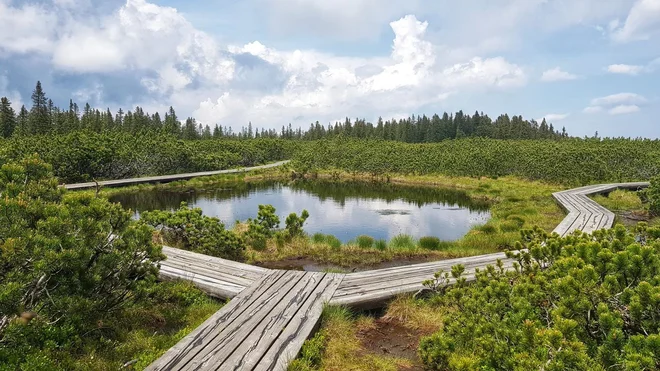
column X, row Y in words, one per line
column 579, row 303
column 78, row 280
column 569, row 161
column 78, row 275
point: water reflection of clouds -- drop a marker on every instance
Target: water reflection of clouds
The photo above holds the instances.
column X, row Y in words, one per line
column 346, row 220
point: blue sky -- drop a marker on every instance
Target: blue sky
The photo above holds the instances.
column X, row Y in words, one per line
column 588, row 65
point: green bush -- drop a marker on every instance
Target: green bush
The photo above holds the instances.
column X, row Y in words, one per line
column 601, row 160
column 402, row 242
column 429, row 243
column 84, row 155
column 381, row 245
column 652, row 194
column 365, row 242
column 68, row 263
column 581, row 302
column 188, row 229
column 262, row 228
column 294, row 223
column 267, row 221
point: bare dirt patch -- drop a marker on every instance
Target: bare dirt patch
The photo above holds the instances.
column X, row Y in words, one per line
column 391, row 338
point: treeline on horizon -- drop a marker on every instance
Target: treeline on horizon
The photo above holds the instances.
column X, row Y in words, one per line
column 45, row 118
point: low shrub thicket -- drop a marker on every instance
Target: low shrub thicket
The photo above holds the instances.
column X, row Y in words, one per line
column 577, row 303
column 569, row 161
column 188, row 229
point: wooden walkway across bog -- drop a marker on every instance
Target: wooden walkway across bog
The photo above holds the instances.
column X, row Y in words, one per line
column 168, row 178
column 584, row 214
column 262, row 328
column 273, row 312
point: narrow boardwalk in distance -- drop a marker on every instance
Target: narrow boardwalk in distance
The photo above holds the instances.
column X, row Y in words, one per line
column 273, row 311
column 168, row 178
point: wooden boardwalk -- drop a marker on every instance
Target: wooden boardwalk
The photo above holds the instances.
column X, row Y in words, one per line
column 262, row 328
column 168, row 178
column 273, row 312
column 585, row 214
column 217, row 277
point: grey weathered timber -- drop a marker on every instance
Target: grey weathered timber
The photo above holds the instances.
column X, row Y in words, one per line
column 263, row 327
column 273, row 312
column 168, row 178
column 218, row 277
column 584, row 214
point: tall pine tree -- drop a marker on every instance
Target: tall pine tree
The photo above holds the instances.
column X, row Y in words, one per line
column 40, row 120
column 7, row 118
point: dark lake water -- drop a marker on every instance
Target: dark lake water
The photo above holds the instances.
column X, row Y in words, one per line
column 343, row 209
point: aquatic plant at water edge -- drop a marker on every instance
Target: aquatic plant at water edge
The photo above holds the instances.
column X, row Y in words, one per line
column 429, row 243
column 380, row 245
column 365, row 241
column 402, row 242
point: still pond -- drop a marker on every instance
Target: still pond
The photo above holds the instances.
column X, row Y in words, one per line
column 343, row 209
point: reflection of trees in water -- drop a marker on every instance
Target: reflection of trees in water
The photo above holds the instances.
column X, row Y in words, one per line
column 165, row 199
column 420, row 196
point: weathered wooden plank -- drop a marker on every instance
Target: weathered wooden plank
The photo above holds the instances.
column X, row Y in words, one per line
column 229, row 266
column 386, row 272
column 288, row 343
column 213, row 287
column 176, row 357
column 232, row 333
column 168, row 178
column 194, row 270
column 368, row 287
column 378, row 299
column 254, row 346
column 393, row 278
column 570, row 204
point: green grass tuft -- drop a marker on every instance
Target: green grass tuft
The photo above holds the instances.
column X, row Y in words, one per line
column 318, row 238
column 429, row 243
column 488, row 229
column 381, row 245
column 509, row 226
column 365, row 242
column 402, row 242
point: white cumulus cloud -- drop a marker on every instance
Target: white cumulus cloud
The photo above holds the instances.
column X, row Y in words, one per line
column 556, row 74
column 553, row 117
column 625, row 69
column 616, row 104
column 179, row 65
column 592, row 109
column 623, row 109
column 620, row 98
column 642, row 22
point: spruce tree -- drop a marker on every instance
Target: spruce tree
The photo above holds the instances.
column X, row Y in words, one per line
column 171, row 124
column 23, row 122
column 7, row 118
column 39, row 121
